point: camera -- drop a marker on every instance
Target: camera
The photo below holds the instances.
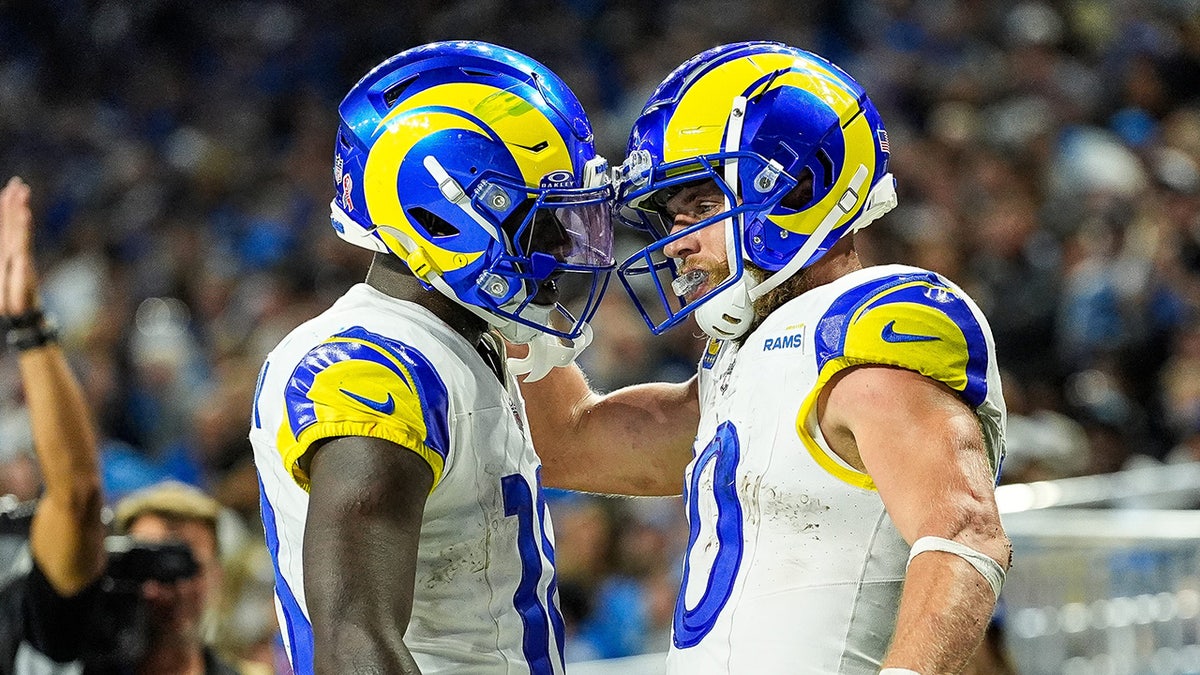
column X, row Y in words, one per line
column 130, row 563
column 121, row 620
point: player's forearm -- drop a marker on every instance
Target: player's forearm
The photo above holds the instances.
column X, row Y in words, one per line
column 944, row 613
column 359, row 614
column 635, row 441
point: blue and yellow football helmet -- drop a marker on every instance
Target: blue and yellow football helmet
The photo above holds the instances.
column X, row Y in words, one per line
column 475, row 165
column 795, row 145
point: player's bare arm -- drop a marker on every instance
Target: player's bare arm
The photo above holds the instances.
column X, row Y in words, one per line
column 367, row 497
column 634, row 441
column 924, row 450
column 67, row 534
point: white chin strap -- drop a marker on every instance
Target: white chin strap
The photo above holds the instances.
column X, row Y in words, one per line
column 547, row 352
column 730, row 313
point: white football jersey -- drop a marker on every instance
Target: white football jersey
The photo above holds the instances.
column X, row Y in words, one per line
column 485, row 599
column 793, row 565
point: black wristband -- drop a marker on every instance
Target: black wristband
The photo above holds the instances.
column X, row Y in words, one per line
column 30, row 319
column 29, row 330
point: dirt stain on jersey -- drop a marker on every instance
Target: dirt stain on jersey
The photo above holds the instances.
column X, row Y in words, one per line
column 797, row 511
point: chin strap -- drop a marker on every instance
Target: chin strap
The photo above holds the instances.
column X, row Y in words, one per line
column 547, row 352
column 844, row 205
column 454, row 193
column 880, row 200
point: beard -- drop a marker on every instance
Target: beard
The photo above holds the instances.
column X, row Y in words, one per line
column 791, row 288
column 717, row 273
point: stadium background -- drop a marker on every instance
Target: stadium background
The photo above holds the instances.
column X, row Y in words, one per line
column 1047, row 154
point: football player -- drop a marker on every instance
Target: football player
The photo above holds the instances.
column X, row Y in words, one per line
column 400, row 493
column 841, row 441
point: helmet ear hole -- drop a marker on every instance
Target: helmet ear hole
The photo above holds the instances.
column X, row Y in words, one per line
column 799, row 197
column 826, row 164
column 434, row 225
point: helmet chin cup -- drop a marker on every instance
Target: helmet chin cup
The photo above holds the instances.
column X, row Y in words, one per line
column 547, row 352
column 729, row 313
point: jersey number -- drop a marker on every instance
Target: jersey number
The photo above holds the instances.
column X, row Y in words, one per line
column 531, row 527
column 691, row 625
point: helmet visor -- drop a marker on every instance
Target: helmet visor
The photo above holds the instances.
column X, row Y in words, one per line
column 561, row 254
column 573, row 226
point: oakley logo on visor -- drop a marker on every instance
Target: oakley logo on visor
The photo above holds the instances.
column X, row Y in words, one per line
column 558, row 179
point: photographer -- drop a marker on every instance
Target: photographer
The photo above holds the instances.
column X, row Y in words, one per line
column 140, row 613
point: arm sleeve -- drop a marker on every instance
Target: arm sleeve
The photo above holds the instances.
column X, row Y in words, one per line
column 359, row 383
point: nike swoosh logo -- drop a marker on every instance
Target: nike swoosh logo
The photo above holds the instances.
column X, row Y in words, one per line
column 890, row 335
column 386, row 406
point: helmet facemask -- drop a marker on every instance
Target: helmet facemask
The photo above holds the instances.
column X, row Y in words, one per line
column 558, row 253
column 643, row 191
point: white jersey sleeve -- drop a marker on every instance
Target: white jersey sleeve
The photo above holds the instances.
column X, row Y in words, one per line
column 360, row 383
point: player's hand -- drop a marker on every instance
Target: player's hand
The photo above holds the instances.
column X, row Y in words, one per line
column 18, row 279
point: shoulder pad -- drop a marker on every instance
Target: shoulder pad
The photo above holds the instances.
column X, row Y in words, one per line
column 359, row 383
column 914, row 321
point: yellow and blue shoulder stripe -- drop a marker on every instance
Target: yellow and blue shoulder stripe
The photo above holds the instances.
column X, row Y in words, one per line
column 359, row 383
column 915, row 321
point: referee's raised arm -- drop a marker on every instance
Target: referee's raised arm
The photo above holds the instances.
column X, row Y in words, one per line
column 67, row 535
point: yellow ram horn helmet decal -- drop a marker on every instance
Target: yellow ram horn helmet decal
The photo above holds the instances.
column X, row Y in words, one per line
column 523, row 128
column 699, row 122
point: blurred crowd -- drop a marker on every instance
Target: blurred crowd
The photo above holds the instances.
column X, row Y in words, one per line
column 1047, row 155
